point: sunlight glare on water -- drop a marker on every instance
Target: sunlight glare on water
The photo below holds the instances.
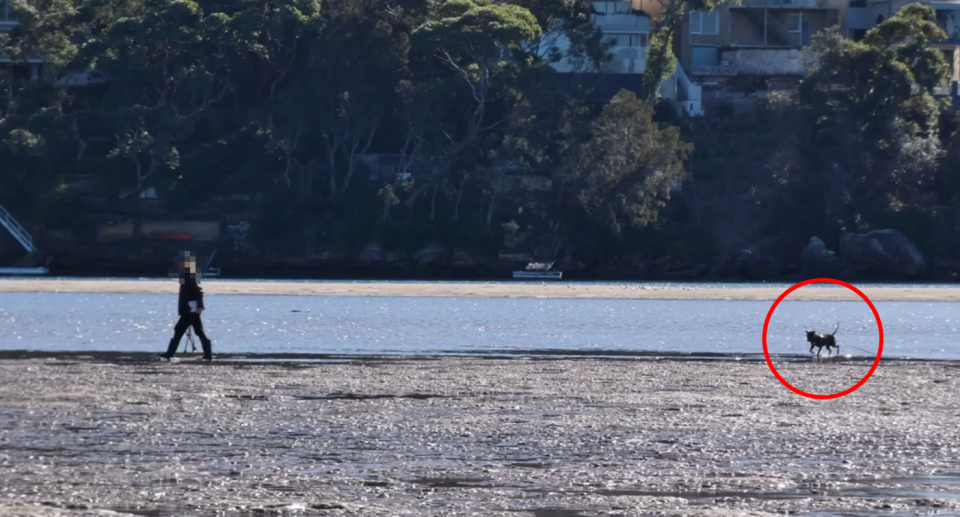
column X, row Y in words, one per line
column 350, row 325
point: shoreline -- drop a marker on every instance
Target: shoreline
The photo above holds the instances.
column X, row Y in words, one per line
column 315, row 358
column 464, row 436
column 482, row 290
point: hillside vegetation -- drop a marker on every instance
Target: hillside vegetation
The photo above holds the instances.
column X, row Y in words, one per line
column 262, row 111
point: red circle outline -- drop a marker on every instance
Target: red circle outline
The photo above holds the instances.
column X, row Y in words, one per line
column 876, row 361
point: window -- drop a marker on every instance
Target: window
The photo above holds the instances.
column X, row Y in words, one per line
column 859, row 34
column 612, row 7
column 793, row 22
column 858, row 3
column 702, row 22
column 5, row 10
column 627, row 40
column 799, row 23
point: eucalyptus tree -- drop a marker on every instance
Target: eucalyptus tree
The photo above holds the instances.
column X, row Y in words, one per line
column 875, row 120
column 627, row 166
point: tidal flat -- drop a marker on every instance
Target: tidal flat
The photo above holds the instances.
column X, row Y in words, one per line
column 118, row 434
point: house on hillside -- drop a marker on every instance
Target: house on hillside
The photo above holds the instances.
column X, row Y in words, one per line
column 863, row 15
column 754, row 46
column 626, row 28
column 741, row 52
column 627, row 25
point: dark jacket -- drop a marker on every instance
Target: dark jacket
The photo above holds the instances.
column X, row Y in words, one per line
column 190, row 291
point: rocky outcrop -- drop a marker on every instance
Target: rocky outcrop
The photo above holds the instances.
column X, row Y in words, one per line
column 371, row 253
column 885, row 253
column 465, row 259
column 434, row 253
column 817, row 260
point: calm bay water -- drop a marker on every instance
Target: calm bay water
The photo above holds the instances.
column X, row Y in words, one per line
column 375, row 325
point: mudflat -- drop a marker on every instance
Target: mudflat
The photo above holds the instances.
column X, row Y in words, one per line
column 480, row 289
column 84, row 435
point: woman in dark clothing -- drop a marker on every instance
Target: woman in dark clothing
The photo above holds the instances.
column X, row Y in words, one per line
column 189, row 308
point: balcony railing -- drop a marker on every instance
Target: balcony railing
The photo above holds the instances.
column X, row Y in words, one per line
column 718, row 70
column 791, row 4
column 631, row 22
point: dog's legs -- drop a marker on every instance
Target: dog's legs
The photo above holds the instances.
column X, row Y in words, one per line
column 819, row 350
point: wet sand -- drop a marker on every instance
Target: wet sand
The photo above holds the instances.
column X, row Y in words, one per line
column 478, row 289
column 467, row 436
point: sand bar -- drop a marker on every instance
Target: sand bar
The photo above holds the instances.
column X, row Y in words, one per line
column 458, row 437
column 479, row 289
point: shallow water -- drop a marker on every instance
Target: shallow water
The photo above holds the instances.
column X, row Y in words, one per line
column 723, row 285
column 422, row 325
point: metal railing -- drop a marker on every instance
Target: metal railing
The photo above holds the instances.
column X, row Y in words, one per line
column 791, row 4
column 17, row 230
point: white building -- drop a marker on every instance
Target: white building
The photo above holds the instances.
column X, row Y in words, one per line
column 627, row 29
column 627, row 25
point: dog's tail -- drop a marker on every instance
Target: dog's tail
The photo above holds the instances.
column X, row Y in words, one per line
column 836, row 329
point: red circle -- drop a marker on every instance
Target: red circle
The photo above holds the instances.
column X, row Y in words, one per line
column 876, row 361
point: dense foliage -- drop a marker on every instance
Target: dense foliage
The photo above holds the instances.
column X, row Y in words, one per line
column 276, row 103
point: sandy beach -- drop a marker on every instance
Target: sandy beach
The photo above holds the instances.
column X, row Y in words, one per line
column 478, row 289
column 83, row 436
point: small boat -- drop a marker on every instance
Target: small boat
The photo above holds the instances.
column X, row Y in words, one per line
column 24, row 271
column 537, row 275
column 538, row 271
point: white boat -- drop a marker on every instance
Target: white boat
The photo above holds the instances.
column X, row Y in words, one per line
column 24, row 271
column 537, row 275
column 538, row 271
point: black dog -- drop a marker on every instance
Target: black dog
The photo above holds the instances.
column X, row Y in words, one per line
column 819, row 340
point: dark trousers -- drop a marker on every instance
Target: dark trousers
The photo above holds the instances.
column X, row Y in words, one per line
column 186, row 321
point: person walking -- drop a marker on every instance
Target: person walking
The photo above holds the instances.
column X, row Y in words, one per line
column 189, row 308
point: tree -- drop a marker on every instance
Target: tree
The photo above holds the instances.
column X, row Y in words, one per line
column 874, row 119
column 164, row 70
column 36, row 137
column 567, row 31
column 354, row 100
column 270, row 39
column 661, row 62
column 628, row 165
column 467, row 44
